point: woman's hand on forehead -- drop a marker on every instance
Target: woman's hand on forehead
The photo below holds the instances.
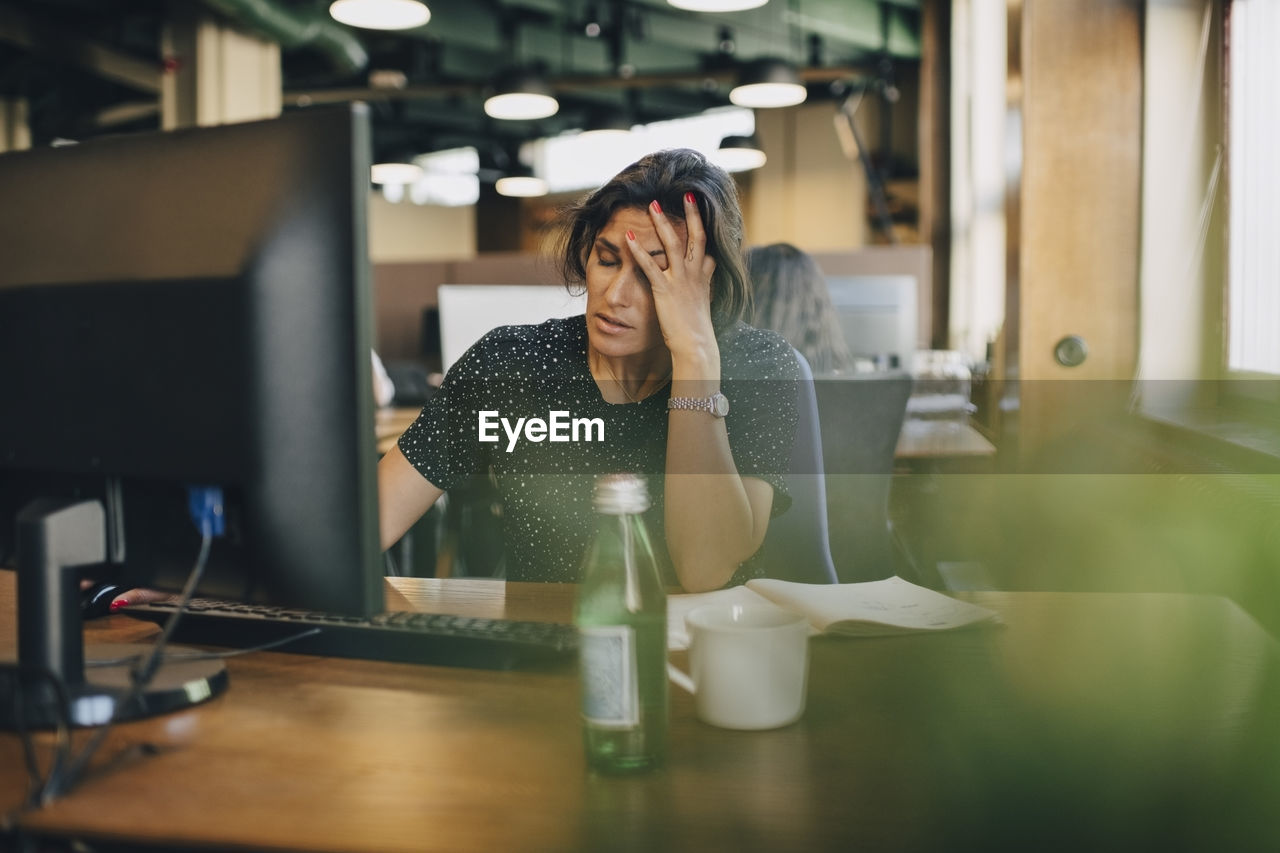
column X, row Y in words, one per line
column 681, row 290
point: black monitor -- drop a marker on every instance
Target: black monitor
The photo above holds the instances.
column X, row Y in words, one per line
column 191, row 308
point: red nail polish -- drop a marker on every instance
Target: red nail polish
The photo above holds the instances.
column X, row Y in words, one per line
column 657, row 208
column 117, row 604
column 689, row 198
column 631, row 235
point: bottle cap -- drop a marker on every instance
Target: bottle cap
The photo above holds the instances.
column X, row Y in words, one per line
column 621, row 494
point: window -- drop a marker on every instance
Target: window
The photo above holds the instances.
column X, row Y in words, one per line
column 576, row 162
column 1253, row 130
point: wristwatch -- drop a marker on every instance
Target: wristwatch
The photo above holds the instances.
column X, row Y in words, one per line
column 717, row 404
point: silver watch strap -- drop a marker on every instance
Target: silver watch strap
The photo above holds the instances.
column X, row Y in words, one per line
column 695, row 404
column 716, row 405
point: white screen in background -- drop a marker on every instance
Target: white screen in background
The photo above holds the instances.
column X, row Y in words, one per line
column 468, row 311
column 877, row 314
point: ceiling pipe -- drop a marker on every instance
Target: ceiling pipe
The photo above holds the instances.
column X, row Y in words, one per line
column 563, row 84
column 294, row 27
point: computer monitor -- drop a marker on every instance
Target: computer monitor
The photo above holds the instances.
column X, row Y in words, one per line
column 193, row 308
column 468, row 311
column 877, row 314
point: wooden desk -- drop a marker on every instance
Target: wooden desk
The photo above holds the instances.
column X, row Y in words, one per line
column 1088, row 722
column 390, row 422
column 922, row 439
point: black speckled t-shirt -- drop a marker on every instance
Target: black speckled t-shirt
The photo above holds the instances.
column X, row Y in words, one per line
column 546, row 485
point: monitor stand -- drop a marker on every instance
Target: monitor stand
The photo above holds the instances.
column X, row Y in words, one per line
column 56, row 539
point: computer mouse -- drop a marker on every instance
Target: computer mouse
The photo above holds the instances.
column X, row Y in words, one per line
column 96, row 600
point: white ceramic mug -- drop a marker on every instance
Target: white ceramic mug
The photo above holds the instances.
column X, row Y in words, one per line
column 749, row 665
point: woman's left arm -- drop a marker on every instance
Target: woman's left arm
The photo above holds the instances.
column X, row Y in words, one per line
column 715, row 519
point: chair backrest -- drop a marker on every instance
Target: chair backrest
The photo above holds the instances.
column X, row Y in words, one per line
column 796, row 547
column 861, row 417
column 411, row 383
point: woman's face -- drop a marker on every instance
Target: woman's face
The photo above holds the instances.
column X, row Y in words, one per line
column 621, row 318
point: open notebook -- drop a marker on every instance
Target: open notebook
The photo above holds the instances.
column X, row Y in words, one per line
column 871, row 609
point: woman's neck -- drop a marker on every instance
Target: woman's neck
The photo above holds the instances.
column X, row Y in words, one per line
column 629, row 379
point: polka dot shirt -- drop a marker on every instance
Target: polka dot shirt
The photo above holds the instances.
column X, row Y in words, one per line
column 546, row 485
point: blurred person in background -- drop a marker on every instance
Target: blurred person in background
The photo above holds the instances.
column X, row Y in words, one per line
column 791, row 297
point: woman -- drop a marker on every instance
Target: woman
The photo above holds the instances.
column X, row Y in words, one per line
column 658, row 352
column 791, row 297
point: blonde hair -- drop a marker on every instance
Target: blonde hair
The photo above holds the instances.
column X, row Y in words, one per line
column 790, row 296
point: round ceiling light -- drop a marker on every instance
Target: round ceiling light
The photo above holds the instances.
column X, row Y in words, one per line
column 520, row 186
column 521, row 94
column 739, row 154
column 768, row 83
column 380, row 14
column 717, row 5
column 395, row 172
column 607, row 125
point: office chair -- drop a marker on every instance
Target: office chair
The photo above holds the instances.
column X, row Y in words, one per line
column 861, row 418
column 796, row 547
column 410, row 381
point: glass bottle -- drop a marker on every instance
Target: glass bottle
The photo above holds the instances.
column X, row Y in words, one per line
column 621, row 615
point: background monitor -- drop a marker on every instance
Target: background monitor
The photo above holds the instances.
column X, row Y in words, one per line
column 468, row 311
column 877, row 314
column 194, row 307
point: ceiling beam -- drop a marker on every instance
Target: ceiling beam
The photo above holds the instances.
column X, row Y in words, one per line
column 19, row 30
column 571, row 83
column 126, row 113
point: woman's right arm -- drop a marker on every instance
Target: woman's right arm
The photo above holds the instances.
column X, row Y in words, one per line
column 404, row 495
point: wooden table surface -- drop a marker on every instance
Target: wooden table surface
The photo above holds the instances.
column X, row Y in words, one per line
column 926, row 439
column 1085, row 722
column 390, row 421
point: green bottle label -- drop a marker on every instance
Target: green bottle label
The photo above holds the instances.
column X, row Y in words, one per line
column 610, row 698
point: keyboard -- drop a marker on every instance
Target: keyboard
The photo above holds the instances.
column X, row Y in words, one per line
column 423, row 638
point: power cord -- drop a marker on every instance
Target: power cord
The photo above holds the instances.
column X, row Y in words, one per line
column 193, row 656
column 206, row 508
column 22, row 675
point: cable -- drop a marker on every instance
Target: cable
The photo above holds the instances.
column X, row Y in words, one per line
column 205, row 505
column 190, row 656
column 36, row 781
column 310, row 632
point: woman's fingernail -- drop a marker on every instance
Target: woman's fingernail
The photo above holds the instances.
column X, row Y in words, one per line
column 657, row 208
column 631, row 235
column 688, row 197
column 118, row 603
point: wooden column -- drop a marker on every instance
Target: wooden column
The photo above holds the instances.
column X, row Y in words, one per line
column 15, row 132
column 1078, row 205
column 215, row 74
column 935, row 152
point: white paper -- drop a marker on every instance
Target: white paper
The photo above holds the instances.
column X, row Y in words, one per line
column 875, row 607
column 890, row 606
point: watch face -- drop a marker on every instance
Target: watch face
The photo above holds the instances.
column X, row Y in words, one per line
column 719, row 405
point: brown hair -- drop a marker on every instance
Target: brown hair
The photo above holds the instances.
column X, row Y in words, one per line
column 666, row 176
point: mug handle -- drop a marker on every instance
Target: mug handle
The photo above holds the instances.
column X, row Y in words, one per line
column 680, row 678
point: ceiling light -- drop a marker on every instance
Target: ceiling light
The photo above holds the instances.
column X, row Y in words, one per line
column 521, row 94
column 738, row 154
column 521, row 186
column 395, row 170
column 380, row 14
column 520, row 182
column 768, row 83
column 607, row 125
column 717, row 5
